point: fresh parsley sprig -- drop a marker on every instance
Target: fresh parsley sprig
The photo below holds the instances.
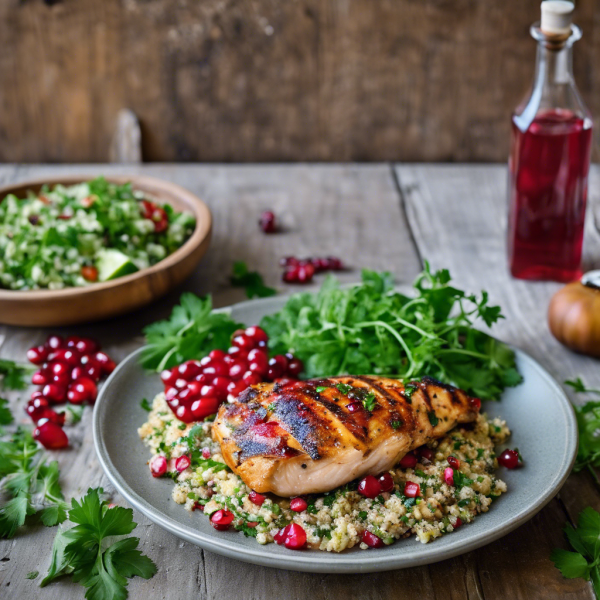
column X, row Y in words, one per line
column 192, row 331
column 31, row 482
column 371, row 328
column 84, row 553
column 251, row 281
column 585, row 540
column 14, row 376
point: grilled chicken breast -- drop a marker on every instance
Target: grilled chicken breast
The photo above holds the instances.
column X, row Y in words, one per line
column 313, row 436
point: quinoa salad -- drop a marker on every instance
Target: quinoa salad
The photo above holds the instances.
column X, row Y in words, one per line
column 337, row 520
column 78, row 235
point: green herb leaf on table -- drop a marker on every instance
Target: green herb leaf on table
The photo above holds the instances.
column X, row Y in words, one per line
column 192, row 330
column 251, row 281
column 31, row 482
column 583, row 563
column 81, row 551
column 14, row 376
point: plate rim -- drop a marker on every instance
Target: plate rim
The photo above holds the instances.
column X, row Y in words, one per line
column 345, row 563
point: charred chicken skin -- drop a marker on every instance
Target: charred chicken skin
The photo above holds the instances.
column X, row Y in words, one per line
column 312, row 436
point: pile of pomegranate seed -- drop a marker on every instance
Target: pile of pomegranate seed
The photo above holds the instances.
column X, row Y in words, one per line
column 371, row 486
column 509, row 459
column 69, row 370
column 267, row 222
column 292, row 536
column 302, row 270
column 195, row 389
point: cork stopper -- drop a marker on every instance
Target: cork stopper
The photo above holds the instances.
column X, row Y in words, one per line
column 557, row 16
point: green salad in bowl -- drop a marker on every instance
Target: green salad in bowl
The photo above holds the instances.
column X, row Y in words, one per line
column 73, row 236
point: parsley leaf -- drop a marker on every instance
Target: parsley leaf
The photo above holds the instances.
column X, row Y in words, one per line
column 433, row 418
column 145, row 404
column 397, row 424
column 371, row 328
column 192, row 330
column 583, row 563
column 251, row 281
column 31, row 482
column 369, row 402
column 343, row 388
column 321, row 388
column 6, row 417
column 81, row 553
column 13, row 376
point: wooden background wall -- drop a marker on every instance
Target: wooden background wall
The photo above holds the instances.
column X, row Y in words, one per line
column 272, row 80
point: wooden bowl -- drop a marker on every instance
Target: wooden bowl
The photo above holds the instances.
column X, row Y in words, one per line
column 97, row 301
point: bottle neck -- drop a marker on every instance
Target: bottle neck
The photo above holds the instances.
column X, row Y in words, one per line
column 554, row 67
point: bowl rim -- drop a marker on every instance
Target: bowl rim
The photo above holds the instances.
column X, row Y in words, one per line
column 202, row 230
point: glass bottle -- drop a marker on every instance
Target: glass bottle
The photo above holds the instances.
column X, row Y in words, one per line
column 549, row 162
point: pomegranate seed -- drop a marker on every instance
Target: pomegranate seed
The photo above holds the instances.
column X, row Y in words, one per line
column 71, row 341
column 426, row 453
column 279, row 537
column 371, row 540
column 181, row 383
column 458, row 523
column 54, row 392
column 89, row 273
column 251, row 378
column 37, row 355
column 305, row 273
column 256, row 333
column 53, row 416
column 288, row 261
column 203, row 379
column 185, row 413
column 354, row 407
column 277, row 366
column 267, row 221
column 169, row 376
column 260, row 368
column 171, row 393
column 453, row 462
column 87, row 346
column 50, row 435
column 509, row 459
column 386, row 483
column 205, row 361
column 256, row 498
column 54, row 342
column 107, row 365
column 187, row 396
column 449, row 476
column 298, row 504
column 244, row 341
column 182, row 463
column 205, row 452
column 258, row 355
column 295, row 537
column 295, row 367
column 158, row 466
column 204, row 407
column 369, row 487
column 408, row 461
column 82, row 390
column 41, row 377
column 237, row 369
column 476, row 402
column 60, row 369
column 334, row 264
column 36, row 408
column 36, row 394
column 190, row 369
column 412, row 490
column 235, row 388
column 216, row 369
column 69, row 356
column 220, row 384
column 222, row 519
column 238, row 353
column 217, row 355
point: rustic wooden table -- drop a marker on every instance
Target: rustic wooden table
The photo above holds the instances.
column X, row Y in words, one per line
column 380, row 216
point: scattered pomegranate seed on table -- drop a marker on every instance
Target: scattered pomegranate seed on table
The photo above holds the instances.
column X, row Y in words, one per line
column 302, row 270
column 69, row 371
column 267, row 221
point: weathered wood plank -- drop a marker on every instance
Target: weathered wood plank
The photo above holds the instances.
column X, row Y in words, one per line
column 457, row 215
column 258, row 80
column 337, row 209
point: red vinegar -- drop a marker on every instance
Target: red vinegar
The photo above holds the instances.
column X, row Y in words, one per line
column 548, row 170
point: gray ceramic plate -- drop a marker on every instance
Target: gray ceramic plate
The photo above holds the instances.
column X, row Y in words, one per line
column 538, row 413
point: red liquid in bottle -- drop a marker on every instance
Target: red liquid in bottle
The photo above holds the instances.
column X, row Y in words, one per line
column 548, row 170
